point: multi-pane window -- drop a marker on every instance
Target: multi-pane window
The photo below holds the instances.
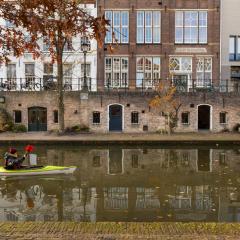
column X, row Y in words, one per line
column 181, row 71
column 134, row 118
column 68, row 46
column 30, row 74
column 234, row 48
column 148, row 27
column 11, row 76
column 88, row 70
column 204, row 72
column 148, row 71
column 85, row 40
column 47, row 72
column 46, row 45
column 191, row 27
column 96, row 117
column 185, row 117
column 180, row 64
column 67, row 73
column 116, row 71
column 17, row 116
column 118, row 31
column 223, row 117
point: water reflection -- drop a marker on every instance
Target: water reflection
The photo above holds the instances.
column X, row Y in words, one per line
column 119, row 183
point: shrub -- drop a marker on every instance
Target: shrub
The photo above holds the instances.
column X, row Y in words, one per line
column 6, row 121
column 225, row 130
column 19, row 128
column 77, row 129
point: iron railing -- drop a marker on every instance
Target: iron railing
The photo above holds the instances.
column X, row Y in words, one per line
column 76, row 84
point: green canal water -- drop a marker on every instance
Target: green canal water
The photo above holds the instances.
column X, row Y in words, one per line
column 169, row 183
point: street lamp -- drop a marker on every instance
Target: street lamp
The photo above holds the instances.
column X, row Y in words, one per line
column 84, row 48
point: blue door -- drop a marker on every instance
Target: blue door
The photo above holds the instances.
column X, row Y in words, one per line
column 115, row 118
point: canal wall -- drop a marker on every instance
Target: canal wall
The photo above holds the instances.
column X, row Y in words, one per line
column 213, row 111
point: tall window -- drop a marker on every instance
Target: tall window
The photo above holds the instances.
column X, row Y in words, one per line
column 181, row 71
column 30, row 74
column 85, row 39
column 119, row 25
column 204, row 72
column 234, row 48
column 148, row 71
column 191, row 27
column 11, row 76
column 47, row 72
column 68, row 47
column 116, row 71
column 148, row 27
column 67, row 73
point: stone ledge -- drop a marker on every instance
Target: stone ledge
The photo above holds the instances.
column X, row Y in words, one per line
column 112, row 231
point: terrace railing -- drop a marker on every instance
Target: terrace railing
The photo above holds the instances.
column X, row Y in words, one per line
column 76, row 84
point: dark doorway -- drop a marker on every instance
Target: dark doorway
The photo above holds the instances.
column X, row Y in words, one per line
column 115, row 118
column 37, row 119
column 204, row 117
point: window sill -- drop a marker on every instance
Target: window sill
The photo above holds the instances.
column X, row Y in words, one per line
column 96, row 124
column 135, row 124
column 149, row 43
column 117, row 43
column 204, row 44
column 223, row 123
column 186, row 124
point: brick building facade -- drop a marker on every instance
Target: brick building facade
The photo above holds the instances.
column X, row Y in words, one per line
column 160, row 39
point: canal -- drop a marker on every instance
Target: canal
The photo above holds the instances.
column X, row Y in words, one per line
column 163, row 183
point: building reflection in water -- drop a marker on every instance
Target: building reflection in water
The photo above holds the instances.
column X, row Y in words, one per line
column 129, row 184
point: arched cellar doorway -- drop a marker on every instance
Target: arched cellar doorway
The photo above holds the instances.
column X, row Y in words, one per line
column 115, row 117
column 204, row 117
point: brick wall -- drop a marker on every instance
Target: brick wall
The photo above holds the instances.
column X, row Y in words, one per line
column 167, row 47
column 79, row 111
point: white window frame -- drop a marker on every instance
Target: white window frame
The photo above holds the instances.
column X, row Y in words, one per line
column 116, row 70
column 201, row 82
column 152, row 27
column 117, row 25
column 147, row 82
column 182, row 25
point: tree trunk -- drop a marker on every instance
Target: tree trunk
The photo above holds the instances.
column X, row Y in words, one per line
column 60, row 93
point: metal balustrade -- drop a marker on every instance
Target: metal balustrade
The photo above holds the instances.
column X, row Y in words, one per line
column 76, row 84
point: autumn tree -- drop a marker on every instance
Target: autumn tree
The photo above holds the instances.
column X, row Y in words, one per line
column 166, row 102
column 56, row 23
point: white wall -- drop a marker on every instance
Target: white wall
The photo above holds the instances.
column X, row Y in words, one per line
column 76, row 58
column 230, row 25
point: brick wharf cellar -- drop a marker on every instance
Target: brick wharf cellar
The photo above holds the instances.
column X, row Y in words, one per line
column 122, row 112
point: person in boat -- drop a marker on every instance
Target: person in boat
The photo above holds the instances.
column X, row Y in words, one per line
column 12, row 161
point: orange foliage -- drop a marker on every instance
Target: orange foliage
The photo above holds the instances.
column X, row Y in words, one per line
column 164, row 95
